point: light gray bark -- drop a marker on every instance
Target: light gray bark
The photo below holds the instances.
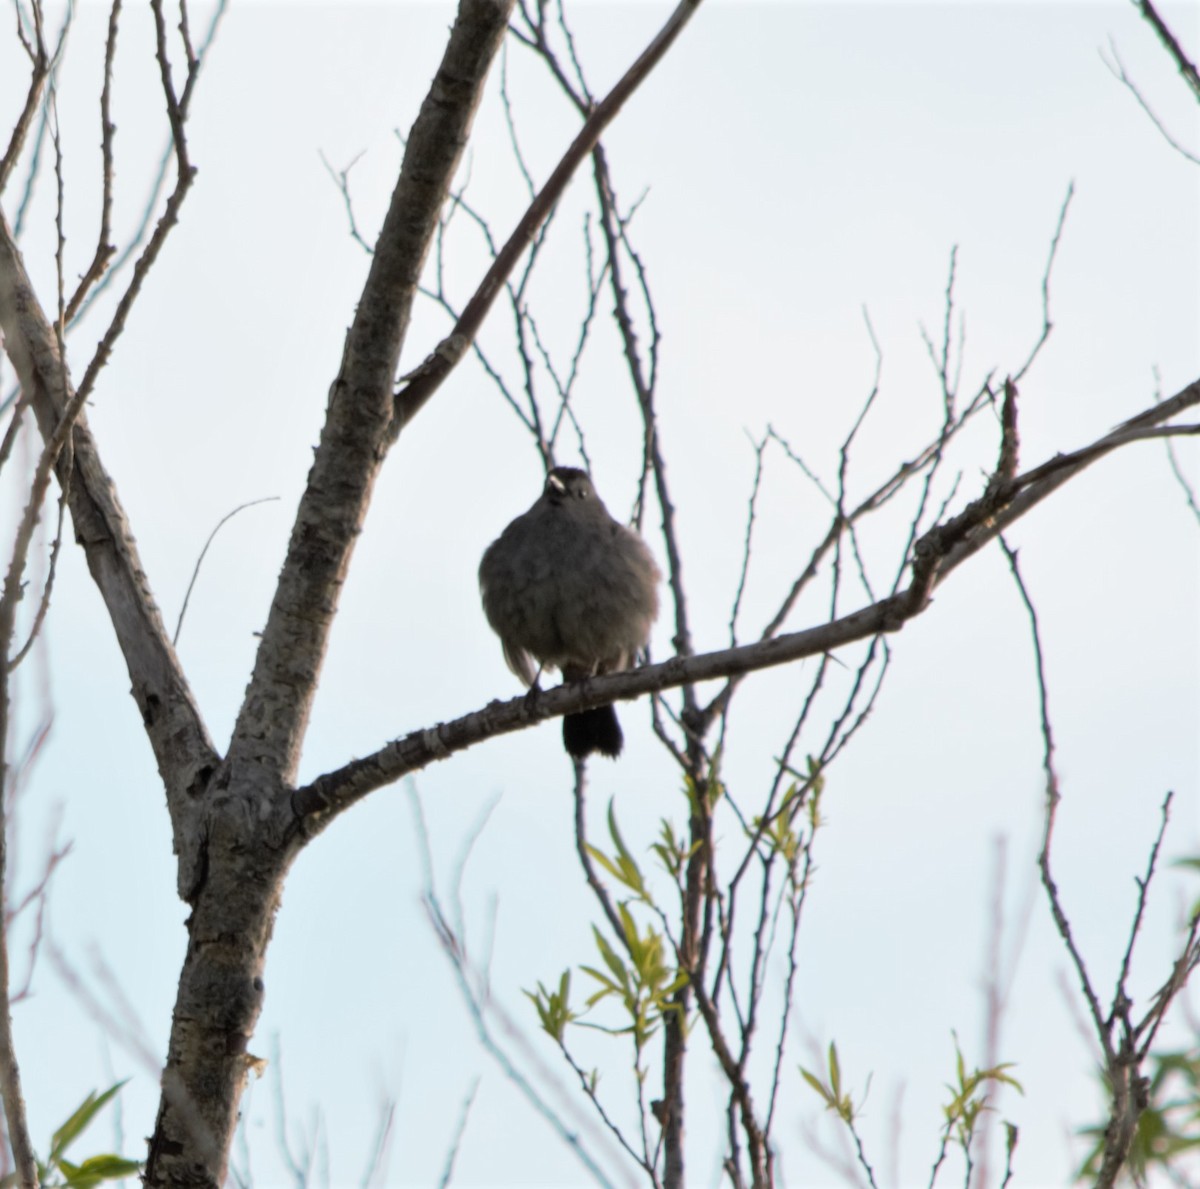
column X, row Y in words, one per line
column 185, row 755
column 246, row 844
column 353, row 442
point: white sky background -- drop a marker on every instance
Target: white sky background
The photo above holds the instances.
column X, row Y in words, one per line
column 802, row 162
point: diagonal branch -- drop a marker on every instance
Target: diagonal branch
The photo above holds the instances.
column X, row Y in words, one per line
column 936, row 555
column 1187, row 68
column 274, row 715
column 425, row 380
column 182, row 749
column 363, row 417
column 40, row 72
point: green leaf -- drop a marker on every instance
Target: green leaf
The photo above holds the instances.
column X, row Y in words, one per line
column 611, row 958
column 1011, row 1132
column 74, row 1126
column 102, row 1168
column 631, row 874
column 835, row 1100
column 835, row 1071
column 610, row 988
column 1167, row 1128
column 553, row 1007
column 604, row 861
column 672, row 851
column 819, row 1086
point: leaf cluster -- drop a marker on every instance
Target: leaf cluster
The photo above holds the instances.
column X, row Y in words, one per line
column 1168, row 1128
column 638, row 971
column 57, row 1172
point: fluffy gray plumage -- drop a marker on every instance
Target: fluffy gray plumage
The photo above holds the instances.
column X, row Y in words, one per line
column 566, row 586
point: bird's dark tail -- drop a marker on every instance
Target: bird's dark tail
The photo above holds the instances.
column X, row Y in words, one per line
column 593, row 730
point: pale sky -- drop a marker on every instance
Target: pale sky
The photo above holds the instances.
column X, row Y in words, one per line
column 800, row 162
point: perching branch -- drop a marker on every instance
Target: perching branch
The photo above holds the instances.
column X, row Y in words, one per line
column 936, row 555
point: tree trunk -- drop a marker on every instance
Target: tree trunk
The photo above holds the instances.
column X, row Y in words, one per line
column 220, row 991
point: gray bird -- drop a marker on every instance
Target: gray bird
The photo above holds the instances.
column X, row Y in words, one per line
column 569, row 587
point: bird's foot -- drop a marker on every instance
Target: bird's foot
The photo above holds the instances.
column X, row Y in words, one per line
column 532, row 697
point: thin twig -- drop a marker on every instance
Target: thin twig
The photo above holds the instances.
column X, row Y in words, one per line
column 424, row 382
column 752, row 507
column 341, row 179
column 1117, row 68
column 177, row 114
column 1047, row 324
column 585, row 857
column 459, row 1131
column 1053, row 797
column 200, row 560
column 381, row 1145
column 1143, row 886
column 104, row 249
column 40, row 63
column 453, row 946
column 47, row 589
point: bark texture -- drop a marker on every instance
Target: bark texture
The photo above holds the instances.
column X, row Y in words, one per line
column 246, row 841
column 186, row 757
column 354, row 440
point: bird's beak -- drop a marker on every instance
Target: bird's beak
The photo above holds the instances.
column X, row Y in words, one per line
column 555, row 482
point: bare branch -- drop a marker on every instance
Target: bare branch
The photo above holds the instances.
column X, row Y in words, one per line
column 200, row 560
column 481, row 1007
column 47, row 590
column 1047, row 325
column 1128, row 1088
column 751, row 510
column 585, row 858
column 459, row 1131
column 1117, row 68
column 181, row 745
column 341, row 179
column 274, row 715
column 104, row 249
column 40, row 62
column 380, row 1148
column 1053, row 796
column 936, row 556
column 176, row 111
column 1185, row 65
column 428, row 378
column 1120, row 993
